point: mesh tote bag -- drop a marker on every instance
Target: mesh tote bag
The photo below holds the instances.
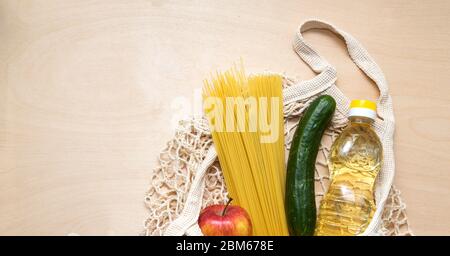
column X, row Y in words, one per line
column 189, row 178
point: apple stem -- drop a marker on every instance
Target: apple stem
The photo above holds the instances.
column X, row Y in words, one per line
column 226, row 206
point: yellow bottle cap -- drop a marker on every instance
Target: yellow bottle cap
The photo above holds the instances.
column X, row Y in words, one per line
column 364, row 108
column 363, row 104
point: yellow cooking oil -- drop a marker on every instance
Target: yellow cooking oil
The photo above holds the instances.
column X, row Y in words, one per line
column 354, row 163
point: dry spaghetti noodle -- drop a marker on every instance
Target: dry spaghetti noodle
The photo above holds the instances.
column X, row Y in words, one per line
column 249, row 140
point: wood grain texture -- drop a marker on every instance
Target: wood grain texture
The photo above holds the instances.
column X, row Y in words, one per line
column 87, row 92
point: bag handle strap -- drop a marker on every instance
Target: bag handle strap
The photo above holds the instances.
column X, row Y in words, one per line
column 358, row 54
column 189, row 215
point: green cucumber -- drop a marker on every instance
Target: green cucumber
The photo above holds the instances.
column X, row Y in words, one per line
column 300, row 200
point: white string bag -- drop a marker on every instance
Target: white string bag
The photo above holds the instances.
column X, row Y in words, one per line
column 189, row 176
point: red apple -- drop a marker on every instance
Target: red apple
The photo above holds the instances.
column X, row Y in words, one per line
column 225, row 220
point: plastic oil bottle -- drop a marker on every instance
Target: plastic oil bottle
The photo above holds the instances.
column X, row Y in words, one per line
column 354, row 162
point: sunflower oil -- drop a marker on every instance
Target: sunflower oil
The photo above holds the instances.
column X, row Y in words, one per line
column 354, row 162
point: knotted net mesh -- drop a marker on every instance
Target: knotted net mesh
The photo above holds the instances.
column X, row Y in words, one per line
column 171, row 179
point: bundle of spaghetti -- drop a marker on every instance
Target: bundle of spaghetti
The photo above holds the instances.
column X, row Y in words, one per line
column 250, row 155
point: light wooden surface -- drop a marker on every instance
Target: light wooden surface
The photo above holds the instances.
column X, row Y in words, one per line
column 87, row 88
